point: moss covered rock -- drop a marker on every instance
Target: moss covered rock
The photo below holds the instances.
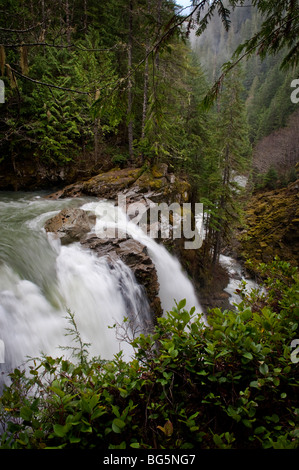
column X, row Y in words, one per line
column 70, row 225
column 162, row 186
column 272, row 223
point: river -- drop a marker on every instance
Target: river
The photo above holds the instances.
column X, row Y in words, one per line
column 40, row 280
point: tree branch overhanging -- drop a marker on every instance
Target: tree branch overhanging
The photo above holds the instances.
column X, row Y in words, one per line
column 49, row 85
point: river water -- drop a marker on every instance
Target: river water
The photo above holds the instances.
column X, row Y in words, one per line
column 40, row 280
column 236, row 277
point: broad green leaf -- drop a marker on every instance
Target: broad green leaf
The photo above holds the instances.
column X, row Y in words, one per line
column 264, row 369
column 26, row 413
column 58, row 391
column 181, row 304
column 118, row 425
column 60, row 430
column 248, row 355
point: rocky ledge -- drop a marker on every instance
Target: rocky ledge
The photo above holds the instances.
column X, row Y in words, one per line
column 75, row 225
column 150, row 186
column 156, row 182
column 70, row 225
column 136, row 257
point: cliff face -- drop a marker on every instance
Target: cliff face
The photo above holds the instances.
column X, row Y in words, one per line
column 272, row 223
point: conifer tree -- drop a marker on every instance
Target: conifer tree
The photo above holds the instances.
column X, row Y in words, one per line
column 232, row 158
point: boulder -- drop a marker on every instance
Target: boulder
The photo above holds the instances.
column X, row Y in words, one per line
column 70, row 225
column 136, row 257
column 156, row 182
column 75, row 225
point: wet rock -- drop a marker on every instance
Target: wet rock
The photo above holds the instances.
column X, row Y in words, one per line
column 104, row 185
column 136, row 257
column 70, row 225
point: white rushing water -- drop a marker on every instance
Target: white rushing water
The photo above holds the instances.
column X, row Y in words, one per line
column 40, row 280
column 174, row 284
column 236, row 277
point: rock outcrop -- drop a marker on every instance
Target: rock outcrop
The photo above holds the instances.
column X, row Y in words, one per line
column 70, row 225
column 156, row 182
column 136, row 257
column 75, row 225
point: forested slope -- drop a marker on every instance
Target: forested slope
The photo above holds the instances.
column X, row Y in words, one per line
column 267, row 88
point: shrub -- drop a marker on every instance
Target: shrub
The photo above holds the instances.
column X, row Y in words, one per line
column 232, row 384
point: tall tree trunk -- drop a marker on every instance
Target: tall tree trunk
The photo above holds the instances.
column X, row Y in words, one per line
column 159, row 8
column 146, row 77
column 43, row 34
column 85, row 15
column 43, row 15
column 96, row 140
column 156, row 66
column 130, row 85
column 68, row 23
column 217, row 247
column 145, row 93
column 225, row 182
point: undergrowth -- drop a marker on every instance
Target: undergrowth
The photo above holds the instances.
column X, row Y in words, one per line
column 232, row 384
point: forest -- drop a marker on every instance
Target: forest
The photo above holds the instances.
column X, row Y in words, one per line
column 206, row 92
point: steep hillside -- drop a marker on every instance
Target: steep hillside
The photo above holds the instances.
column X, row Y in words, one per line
column 272, row 223
column 280, row 149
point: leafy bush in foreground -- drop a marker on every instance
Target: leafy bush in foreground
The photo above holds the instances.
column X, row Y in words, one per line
column 233, row 384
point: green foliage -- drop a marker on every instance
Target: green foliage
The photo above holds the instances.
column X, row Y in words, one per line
column 232, row 384
column 227, row 158
column 273, row 179
column 273, row 33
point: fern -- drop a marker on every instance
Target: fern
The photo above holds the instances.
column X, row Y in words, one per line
column 80, row 352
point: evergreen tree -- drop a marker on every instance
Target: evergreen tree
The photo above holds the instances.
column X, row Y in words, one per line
column 231, row 159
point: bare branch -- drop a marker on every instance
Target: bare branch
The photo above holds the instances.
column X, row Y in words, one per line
column 20, row 30
column 61, row 46
column 49, row 85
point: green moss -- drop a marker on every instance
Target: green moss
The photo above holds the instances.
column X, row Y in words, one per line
column 271, row 220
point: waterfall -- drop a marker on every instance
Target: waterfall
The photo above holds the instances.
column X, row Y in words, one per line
column 40, row 280
column 174, row 284
column 236, row 276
